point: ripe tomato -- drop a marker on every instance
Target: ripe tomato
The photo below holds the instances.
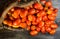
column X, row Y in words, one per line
column 23, row 25
column 48, row 29
column 16, row 13
column 52, row 32
column 45, row 18
column 50, row 17
column 28, row 28
column 5, row 22
column 16, row 22
column 24, row 19
column 33, row 27
column 48, row 4
column 45, row 8
column 51, row 8
column 38, row 6
column 30, row 17
column 34, row 18
column 43, row 30
column 41, row 23
column 28, row 22
column 11, row 18
column 41, row 13
column 54, row 14
column 9, row 23
column 38, row 29
column 49, row 11
column 39, row 19
column 34, row 23
column 54, row 26
column 23, row 13
column 33, row 33
column 32, row 11
column 55, row 10
column 37, row 11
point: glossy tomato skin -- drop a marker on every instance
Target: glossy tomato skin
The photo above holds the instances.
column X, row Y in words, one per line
column 50, row 17
column 17, row 22
column 38, row 29
column 54, row 26
column 23, row 25
column 31, row 11
column 30, row 17
column 48, row 4
column 28, row 28
column 23, row 13
column 33, row 33
column 33, row 27
column 38, row 6
column 45, row 18
column 43, row 30
column 16, row 13
column 52, row 32
column 48, row 29
column 28, row 22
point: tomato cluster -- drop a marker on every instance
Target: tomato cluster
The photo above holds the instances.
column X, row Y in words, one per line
column 35, row 18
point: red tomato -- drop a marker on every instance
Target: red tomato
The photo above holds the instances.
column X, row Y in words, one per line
column 33, row 27
column 52, row 32
column 48, row 4
column 38, row 6
column 24, row 19
column 49, row 11
column 34, row 23
column 9, row 23
column 43, row 30
column 54, row 14
column 33, row 33
column 23, row 25
column 34, row 18
column 11, row 18
column 39, row 19
column 41, row 23
column 17, row 22
column 45, row 18
column 38, row 29
column 5, row 22
column 16, row 13
column 55, row 10
column 28, row 22
column 32, row 11
column 50, row 17
column 28, row 28
column 37, row 11
column 42, row 13
column 30, row 17
column 51, row 8
column 24, row 13
column 54, row 26
column 48, row 29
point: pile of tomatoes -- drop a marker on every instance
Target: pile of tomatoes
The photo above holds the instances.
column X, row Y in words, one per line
column 34, row 18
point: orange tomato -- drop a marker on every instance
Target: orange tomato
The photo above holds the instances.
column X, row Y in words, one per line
column 9, row 23
column 52, row 32
column 28, row 22
column 48, row 4
column 54, row 26
column 30, row 17
column 23, row 25
column 33, row 33
column 34, row 23
column 24, row 19
column 32, row 11
column 50, row 17
column 38, row 6
column 38, row 29
column 33, row 27
column 49, row 11
column 43, row 30
column 28, row 28
column 48, row 29
column 55, row 10
column 45, row 18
